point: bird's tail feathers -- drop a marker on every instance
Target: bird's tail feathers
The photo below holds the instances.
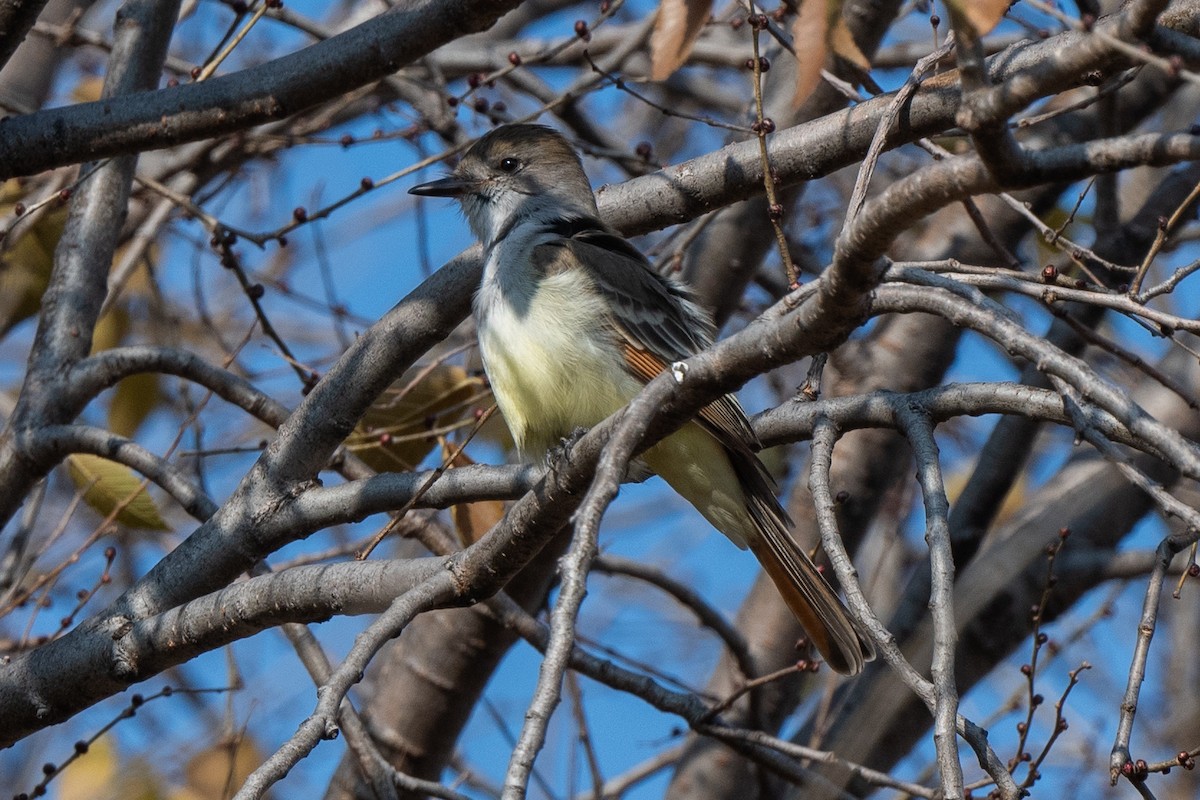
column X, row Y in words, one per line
column 826, row 621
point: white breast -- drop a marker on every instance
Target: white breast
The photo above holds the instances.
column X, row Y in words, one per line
column 547, row 348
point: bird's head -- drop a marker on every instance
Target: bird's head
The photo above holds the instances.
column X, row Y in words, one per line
column 516, row 173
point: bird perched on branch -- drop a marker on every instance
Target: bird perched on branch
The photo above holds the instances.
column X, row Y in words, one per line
column 573, row 322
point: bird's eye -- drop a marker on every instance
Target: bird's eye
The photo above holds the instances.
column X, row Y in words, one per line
column 509, row 164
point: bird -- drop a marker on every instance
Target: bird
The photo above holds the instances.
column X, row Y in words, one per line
column 573, row 321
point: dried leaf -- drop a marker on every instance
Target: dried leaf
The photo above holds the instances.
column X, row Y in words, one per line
column 842, row 42
column 676, row 28
column 472, row 520
column 818, row 30
column 395, row 433
column 982, row 15
column 217, row 772
column 106, row 484
column 811, row 40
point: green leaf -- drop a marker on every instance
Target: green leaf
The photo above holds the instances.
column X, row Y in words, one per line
column 107, row 485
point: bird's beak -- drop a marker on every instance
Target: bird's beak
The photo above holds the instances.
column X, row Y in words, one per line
column 450, row 186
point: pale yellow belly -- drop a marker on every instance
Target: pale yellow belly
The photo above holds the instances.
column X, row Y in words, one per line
column 553, row 366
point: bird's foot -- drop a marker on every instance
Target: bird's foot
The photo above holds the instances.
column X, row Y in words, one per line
column 561, row 452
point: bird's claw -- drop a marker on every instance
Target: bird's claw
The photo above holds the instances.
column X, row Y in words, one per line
column 561, row 453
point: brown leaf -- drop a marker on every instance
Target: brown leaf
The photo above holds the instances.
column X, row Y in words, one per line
column 395, row 433
column 106, row 485
column 676, row 29
column 842, row 42
column 216, row 772
column 472, row 520
column 810, row 37
column 982, row 15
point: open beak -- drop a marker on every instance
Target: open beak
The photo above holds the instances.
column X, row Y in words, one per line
column 450, row 186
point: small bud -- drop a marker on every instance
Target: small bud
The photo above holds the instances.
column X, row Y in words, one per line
column 1026, row 669
column 474, row 79
column 644, row 150
column 256, row 291
column 775, row 212
column 737, row 22
column 299, row 214
column 581, row 30
column 347, row 140
column 935, row 20
column 195, row 73
column 452, row 101
column 481, row 105
column 19, row 209
column 367, row 183
column 48, row 769
column 764, row 64
column 1087, row 21
column 81, row 747
column 1049, row 273
column 110, row 553
column 514, row 58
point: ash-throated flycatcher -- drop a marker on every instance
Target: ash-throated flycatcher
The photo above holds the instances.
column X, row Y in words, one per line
column 572, row 323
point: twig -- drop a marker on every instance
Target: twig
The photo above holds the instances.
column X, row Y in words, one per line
column 1119, row 762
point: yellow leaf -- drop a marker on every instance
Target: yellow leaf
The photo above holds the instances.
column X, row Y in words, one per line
column 106, row 485
column 810, row 37
column 26, row 262
column 100, row 774
column 92, row 773
column 400, row 428
column 111, row 330
column 676, row 28
column 217, row 772
column 88, row 89
column 982, row 15
column 133, row 400
column 472, row 520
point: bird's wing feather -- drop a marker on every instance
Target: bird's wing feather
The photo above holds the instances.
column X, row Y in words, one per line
column 658, row 323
